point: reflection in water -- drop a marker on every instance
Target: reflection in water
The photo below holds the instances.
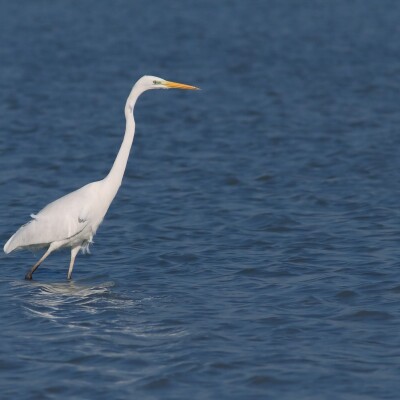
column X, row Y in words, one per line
column 73, row 304
column 52, row 300
column 73, row 289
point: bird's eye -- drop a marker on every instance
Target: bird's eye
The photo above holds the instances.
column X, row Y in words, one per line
column 157, row 82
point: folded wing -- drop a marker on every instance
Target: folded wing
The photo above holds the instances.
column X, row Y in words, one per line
column 58, row 221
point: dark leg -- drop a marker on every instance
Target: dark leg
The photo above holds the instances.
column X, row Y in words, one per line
column 28, row 275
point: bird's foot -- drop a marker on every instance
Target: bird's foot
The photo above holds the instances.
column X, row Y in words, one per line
column 28, row 276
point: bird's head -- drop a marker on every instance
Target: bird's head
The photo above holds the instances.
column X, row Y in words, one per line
column 153, row 82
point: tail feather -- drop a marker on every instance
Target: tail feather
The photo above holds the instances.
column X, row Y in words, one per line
column 24, row 237
column 8, row 247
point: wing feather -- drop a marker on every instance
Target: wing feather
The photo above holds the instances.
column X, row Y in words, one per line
column 60, row 220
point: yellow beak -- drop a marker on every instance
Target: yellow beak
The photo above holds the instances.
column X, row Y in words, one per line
column 175, row 85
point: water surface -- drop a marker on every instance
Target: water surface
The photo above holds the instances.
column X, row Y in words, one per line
column 253, row 249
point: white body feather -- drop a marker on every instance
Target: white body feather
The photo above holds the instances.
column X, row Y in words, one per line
column 69, row 221
column 72, row 220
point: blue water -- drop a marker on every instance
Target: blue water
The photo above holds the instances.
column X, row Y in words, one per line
column 253, row 249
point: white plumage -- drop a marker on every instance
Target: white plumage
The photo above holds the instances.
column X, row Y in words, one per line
column 64, row 221
column 72, row 220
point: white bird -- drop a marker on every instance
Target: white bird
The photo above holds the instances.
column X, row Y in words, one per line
column 72, row 220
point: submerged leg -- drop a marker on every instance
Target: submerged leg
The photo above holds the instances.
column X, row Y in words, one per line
column 28, row 275
column 74, row 252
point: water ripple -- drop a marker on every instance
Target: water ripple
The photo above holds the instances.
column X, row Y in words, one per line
column 252, row 251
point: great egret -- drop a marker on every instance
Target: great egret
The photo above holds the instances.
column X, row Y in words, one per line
column 72, row 220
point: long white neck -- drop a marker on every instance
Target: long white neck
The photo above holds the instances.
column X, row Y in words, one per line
column 114, row 178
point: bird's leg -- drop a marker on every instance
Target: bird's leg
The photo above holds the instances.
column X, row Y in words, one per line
column 74, row 252
column 28, row 275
